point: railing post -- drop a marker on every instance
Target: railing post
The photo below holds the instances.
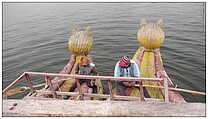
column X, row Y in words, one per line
column 29, row 82
column 110, row 89
column 79, row 88
column 49, row 83
column 141, row 90
column 165, row 83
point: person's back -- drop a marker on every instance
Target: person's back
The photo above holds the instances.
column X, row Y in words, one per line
column 126, row 68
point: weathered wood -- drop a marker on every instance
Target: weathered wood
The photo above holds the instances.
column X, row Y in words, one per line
column 58, row 93
column 141, row 91
column 110, row 89
column 13, row 83
column 100, row 108
column 48, row 81
column 166, row 90
column 127, row 98
column 59, row 79
column 78, row 85
column 97, row 77
column 27, row 77
column 103, row 96
column 21, row 89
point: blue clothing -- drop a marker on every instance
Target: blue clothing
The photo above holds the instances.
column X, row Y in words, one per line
column 85, row 70
column 131, row 71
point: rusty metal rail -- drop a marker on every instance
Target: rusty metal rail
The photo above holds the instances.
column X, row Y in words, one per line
column 48, row 78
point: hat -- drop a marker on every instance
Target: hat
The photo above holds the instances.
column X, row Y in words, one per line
column 125, row 61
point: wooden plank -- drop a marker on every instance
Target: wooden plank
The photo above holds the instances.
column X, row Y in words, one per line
column 110, row 89
column 97, row 95
column 98, row 77
column 100, row 108
column 128, row 98
column 141, row 91
column 89, row 94
column 175, row 89
column 58, row 93
column 165, row 81
column 79, row 89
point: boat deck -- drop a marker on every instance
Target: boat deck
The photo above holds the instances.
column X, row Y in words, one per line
column 54, row 107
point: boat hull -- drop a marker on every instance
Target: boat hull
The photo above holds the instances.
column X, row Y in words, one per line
column 151, row 66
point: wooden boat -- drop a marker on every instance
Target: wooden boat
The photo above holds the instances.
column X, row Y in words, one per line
column 59, row 84
column 80, row 43
column 150, row 64
column 149, row 60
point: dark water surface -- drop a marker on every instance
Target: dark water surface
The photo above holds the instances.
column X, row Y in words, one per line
column 35, row 37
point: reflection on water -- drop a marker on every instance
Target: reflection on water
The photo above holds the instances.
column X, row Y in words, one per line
column 35, row 37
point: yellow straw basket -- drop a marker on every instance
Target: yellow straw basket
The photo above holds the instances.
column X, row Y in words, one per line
column 80, row 42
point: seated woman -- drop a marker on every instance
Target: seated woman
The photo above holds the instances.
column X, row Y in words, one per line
column 84, row 67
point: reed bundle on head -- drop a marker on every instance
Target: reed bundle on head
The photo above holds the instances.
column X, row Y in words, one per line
column 80, row 42
column 151, row 36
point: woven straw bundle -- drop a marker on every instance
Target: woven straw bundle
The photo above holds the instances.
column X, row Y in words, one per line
column 151, row 36
column 80, row 42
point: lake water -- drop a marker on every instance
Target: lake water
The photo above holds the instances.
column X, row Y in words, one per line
column 35, row 37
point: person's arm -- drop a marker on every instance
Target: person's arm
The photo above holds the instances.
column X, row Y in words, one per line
column 116, row 70
column 93, row 71
column 136, row 70
column 136, row 73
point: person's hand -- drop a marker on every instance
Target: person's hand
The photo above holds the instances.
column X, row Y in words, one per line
column 125, row 83
column 131, row 84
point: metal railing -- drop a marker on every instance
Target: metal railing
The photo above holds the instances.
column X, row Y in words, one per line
column 48, row 79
